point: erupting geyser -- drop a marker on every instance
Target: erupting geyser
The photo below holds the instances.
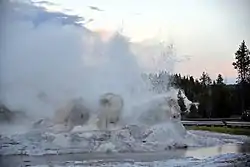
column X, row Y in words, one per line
column 111, row 107
column 81, row 94
column 62, row 59
column 73, row 114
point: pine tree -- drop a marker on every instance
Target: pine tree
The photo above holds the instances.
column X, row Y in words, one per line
column 191, row 80
column 205, row 79
column 220, row 80
column 242, row 63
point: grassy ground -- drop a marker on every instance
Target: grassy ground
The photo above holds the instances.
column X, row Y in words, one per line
column 235, row 131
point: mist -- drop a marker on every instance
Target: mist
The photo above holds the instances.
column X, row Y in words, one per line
column 48, row 58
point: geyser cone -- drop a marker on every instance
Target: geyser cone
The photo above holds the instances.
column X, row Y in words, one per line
column 47, row 63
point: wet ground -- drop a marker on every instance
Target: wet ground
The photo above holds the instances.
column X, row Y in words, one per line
column 190, row 155
column 39, row 148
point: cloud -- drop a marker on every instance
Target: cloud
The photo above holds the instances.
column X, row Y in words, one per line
column 95, row 8
column 45, row 3
column 38, row 15
column 42, row 54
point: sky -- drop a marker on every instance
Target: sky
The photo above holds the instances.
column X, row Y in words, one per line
column 208, row 31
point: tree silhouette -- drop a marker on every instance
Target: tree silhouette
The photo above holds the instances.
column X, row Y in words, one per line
column 220, row 80
column 205, row 79
column 242, row 63
column 215, row 98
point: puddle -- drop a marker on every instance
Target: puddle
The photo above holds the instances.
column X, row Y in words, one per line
column 206, row 152
column 197, row 153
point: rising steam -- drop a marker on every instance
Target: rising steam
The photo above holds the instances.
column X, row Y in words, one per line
column 48, row 58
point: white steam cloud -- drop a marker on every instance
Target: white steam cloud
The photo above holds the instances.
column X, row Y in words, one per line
column 48, row 58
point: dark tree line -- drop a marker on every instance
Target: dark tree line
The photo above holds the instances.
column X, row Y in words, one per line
column 242, row 65
column 215, row 98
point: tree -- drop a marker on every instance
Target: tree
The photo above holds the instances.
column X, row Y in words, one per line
column 204, row 95
column 215, row 100
column 219, row 80
column 205, row 79
column 242, row 63
column 191, row 79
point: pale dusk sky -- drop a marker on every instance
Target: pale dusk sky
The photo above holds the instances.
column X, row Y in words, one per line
column 208, row 31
